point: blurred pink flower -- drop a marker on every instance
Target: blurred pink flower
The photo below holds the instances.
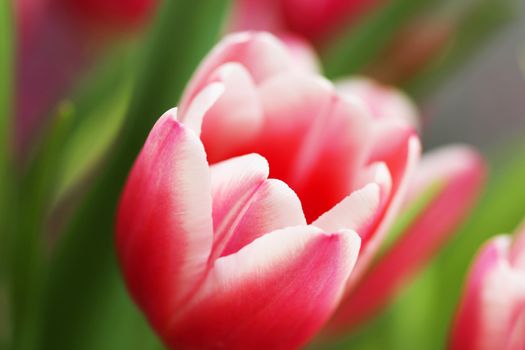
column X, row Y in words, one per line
column 346, row 154
column 313, row 19
column 458, row 172
column 492, row 311
column 57, row 41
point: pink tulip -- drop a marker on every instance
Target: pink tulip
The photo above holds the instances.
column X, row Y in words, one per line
column 312, row 19
column 458, row 173
column 327, row 146
column 347, row 169
column 57, row 41
column 492, row 312
column 222, row 256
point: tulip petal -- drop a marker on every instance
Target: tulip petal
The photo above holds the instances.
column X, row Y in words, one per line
column 236, row 117
column 492, row 308
column 460, row 171
column 302, row 52
column 275, row 293
column 273, row 206
column 385, row 103
column 402, row 167
column 401, row 162
column 246, row 205
column 517, row 254
column 200, row 105
column 260, row 53
column 354, row 212
column 312, row 139
column 164, row 223
column 359, row 210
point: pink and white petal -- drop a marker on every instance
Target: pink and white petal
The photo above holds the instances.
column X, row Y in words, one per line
column 333, row 149
column 310, row 134
column 302, row 52
column 402, row 168
column 233, row 183
column 460, row 170
column 235, row 118
column 273, row 206
column 246, row 205
column 360, row 209
column 166, row 204
column 274, row 293
column 356, row 212
column 193, row 116
column 445, row 164
column 493, row 302
column 262, row 54
column 467, row 325
column 517, row 254
column 385, row 103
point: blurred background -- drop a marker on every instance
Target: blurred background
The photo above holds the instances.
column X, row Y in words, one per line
column 482, row 103
column 83, row 82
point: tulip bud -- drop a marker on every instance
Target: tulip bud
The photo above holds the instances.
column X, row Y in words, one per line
column 492, row 311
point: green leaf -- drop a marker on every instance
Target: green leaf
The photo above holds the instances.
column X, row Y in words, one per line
column 27, row 243
column 100, row 108
column 84, row 286
column 6, row 83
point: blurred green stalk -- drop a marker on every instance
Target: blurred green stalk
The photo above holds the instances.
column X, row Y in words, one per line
column 86, row 305
column 6, row 83
column 28, row 234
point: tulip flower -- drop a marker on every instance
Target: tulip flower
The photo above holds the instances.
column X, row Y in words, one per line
column 222, row 256
column 492, row 310
column 454, row 175
column 326, row 145
column 57, row 41
column 339, row 168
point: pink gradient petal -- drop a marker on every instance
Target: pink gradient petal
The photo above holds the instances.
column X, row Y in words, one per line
column 275, row 293
column 246, row 205
column 236, row 117
column 384, row 102
column 492, row 307
column 517, row 254
column 311, row 135
column 262, row 54
column 354, row 212
column 164, row 223
column 401, row 163
column 273, row 206
column 302, row 52
column 461, row 171
column 402, row 169
column 193, row 116
column 359, row 210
